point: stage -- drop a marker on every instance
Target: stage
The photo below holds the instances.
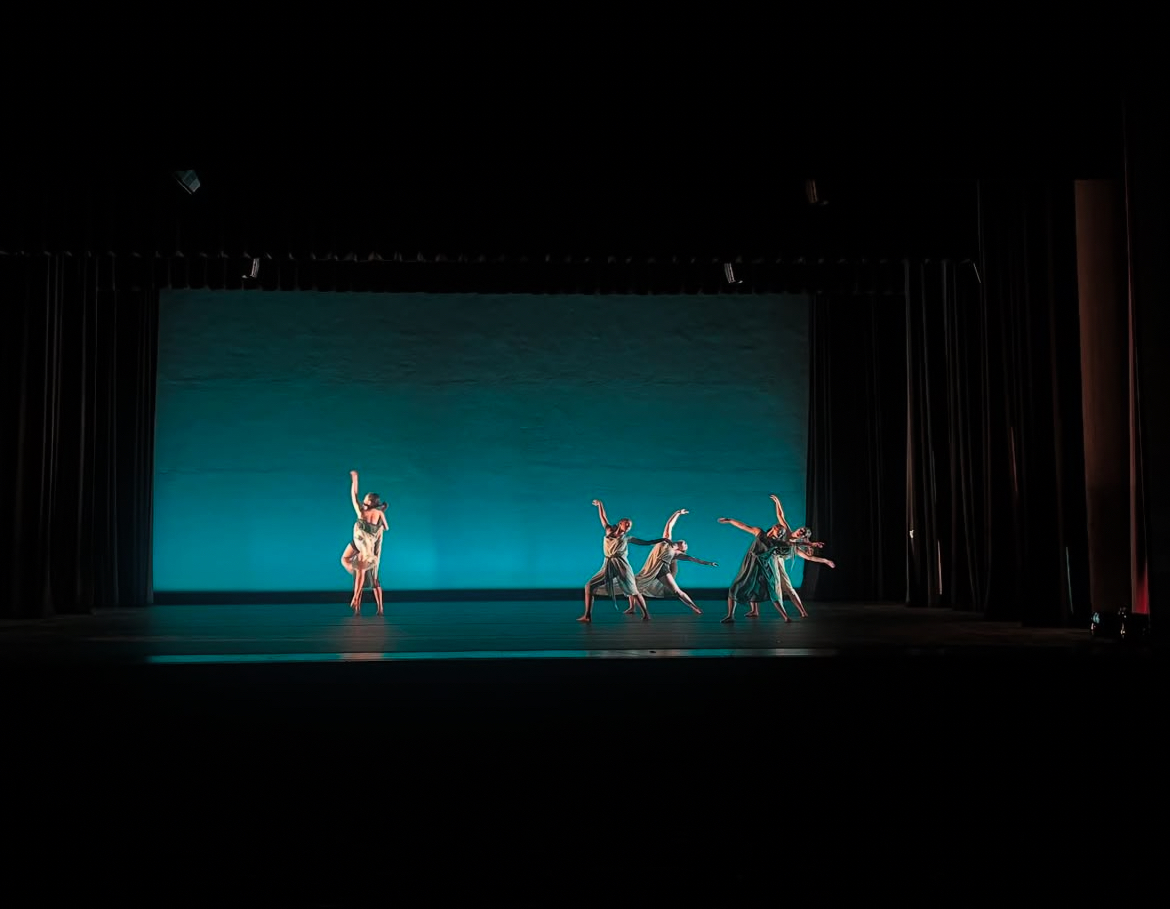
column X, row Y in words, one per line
column 503, row 751
column 512, row 630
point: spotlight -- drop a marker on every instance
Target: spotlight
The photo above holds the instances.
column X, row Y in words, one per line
column 187, row 180
column 729, row 274
column 255, row 270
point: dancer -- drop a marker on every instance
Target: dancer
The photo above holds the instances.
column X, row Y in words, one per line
column 615, row 571
column 363, row 556
column 757, row 578
column 656, row 579
column 803, row 545
column 778, row 572
column 798, row 542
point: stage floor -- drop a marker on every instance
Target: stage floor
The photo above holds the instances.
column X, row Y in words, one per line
column 503, row 752
column 507, row 630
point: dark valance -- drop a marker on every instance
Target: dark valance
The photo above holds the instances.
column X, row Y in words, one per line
column 571, row 226
column 501, row 274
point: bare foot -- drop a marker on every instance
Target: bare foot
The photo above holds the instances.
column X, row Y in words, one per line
column 751, row 615
column 696, row 610
column 646, row 617
column 787, row 621
column 629, row 611
column 380, row 611
column 585, row 618
column 727, row 620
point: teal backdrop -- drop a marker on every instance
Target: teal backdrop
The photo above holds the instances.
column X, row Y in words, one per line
column 489, row 423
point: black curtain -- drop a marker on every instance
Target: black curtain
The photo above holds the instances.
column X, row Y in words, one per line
column 994, row 459
column 79, row 358
column 857, row 443
column 1147, row 197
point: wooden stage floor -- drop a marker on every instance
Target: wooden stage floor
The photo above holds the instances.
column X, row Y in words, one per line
column 502, row 752
column 508, row 630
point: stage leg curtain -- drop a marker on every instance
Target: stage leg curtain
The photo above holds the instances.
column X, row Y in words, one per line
column 856, row 444
column 994, row 457
column 1147, row 223
column 79, row 359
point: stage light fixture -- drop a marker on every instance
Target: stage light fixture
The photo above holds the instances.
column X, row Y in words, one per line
column 1105, row 625
column 187, row 179
column 255, row 270
column 1122, row 625
column 729, row 274
column 812, row 192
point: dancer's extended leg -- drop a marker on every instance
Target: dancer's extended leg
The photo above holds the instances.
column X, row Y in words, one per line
column 730, row 617
column 359, row 580
column 682, row 594
column 588, row 616
column 641, row 601
column 795, row 597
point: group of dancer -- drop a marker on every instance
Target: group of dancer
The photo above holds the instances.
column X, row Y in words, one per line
column 761, row 575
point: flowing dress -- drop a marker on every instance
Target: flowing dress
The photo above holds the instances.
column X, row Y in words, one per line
column 761, row 574
column 367, row 540
column 616, row 574
column 660, row 564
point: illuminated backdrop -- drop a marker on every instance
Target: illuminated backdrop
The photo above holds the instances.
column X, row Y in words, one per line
column 487, row 422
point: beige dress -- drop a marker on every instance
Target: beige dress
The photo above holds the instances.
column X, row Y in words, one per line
column 367, row 540
column 616, row 574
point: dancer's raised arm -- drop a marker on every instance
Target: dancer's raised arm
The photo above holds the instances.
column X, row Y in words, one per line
column 686, row 558
column 741, row 525
column 601, row 513
column 647, row 542
column 779, row 512
column 353, row 493
column 670, row 522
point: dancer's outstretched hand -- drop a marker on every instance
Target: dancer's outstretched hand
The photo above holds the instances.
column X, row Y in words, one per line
column 596, row 501
column 725, row 520
column 831, row 564
column 683, row 511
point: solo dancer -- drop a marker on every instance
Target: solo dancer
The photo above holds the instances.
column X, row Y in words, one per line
column 363, row 556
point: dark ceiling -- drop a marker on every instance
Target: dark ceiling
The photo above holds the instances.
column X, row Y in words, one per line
column 895, row 179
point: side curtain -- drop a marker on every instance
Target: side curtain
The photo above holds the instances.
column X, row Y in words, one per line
column 995, row 498
column 79, row 391
column 857, row 432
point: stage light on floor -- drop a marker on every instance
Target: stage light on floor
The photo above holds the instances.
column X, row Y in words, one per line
column 187, row 179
